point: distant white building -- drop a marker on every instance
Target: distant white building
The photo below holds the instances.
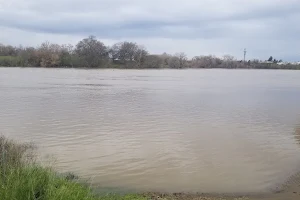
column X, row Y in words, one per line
column 265, row 62
column 282, row 63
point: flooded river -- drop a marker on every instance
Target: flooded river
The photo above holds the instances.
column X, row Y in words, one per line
column 159, row 130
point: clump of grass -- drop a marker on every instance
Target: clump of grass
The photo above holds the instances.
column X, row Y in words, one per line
column 14, row 154
column 23, row 179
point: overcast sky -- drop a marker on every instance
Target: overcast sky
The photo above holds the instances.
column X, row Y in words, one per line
column 197, row 27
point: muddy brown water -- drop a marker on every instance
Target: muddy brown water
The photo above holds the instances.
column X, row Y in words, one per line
column 212, row 131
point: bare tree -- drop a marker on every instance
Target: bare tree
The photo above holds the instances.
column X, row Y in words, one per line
column 153, row 61
column 68, row 48
column 7, row 50
column 229, row 61
column 92, row 52
column 140, row 56
column 228, row 58
column 174, row 62
column 165, row 59
column 124, row 51
column 128, row 51
column 67, row 58
column 205, row 62
column 114, row 51
column 48, row 55
column 179, row 60
column 182, row 59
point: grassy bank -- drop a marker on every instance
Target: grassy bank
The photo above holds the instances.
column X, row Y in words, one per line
column 23, row 179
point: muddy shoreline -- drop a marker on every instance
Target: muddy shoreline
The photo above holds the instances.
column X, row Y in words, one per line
column 290, row 190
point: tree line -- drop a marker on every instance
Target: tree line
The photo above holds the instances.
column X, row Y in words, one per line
column 92, row 53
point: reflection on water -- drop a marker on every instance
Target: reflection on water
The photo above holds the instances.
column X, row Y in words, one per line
column 165, row 130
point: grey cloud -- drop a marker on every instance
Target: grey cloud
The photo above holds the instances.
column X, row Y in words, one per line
column 249, row 20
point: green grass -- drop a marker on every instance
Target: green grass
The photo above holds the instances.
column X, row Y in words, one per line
column 23, row 179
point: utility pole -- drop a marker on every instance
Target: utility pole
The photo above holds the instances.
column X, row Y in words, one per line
column 245, row 52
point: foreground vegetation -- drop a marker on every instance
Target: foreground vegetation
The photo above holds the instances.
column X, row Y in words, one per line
column 23, row 179
column 91, row 53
